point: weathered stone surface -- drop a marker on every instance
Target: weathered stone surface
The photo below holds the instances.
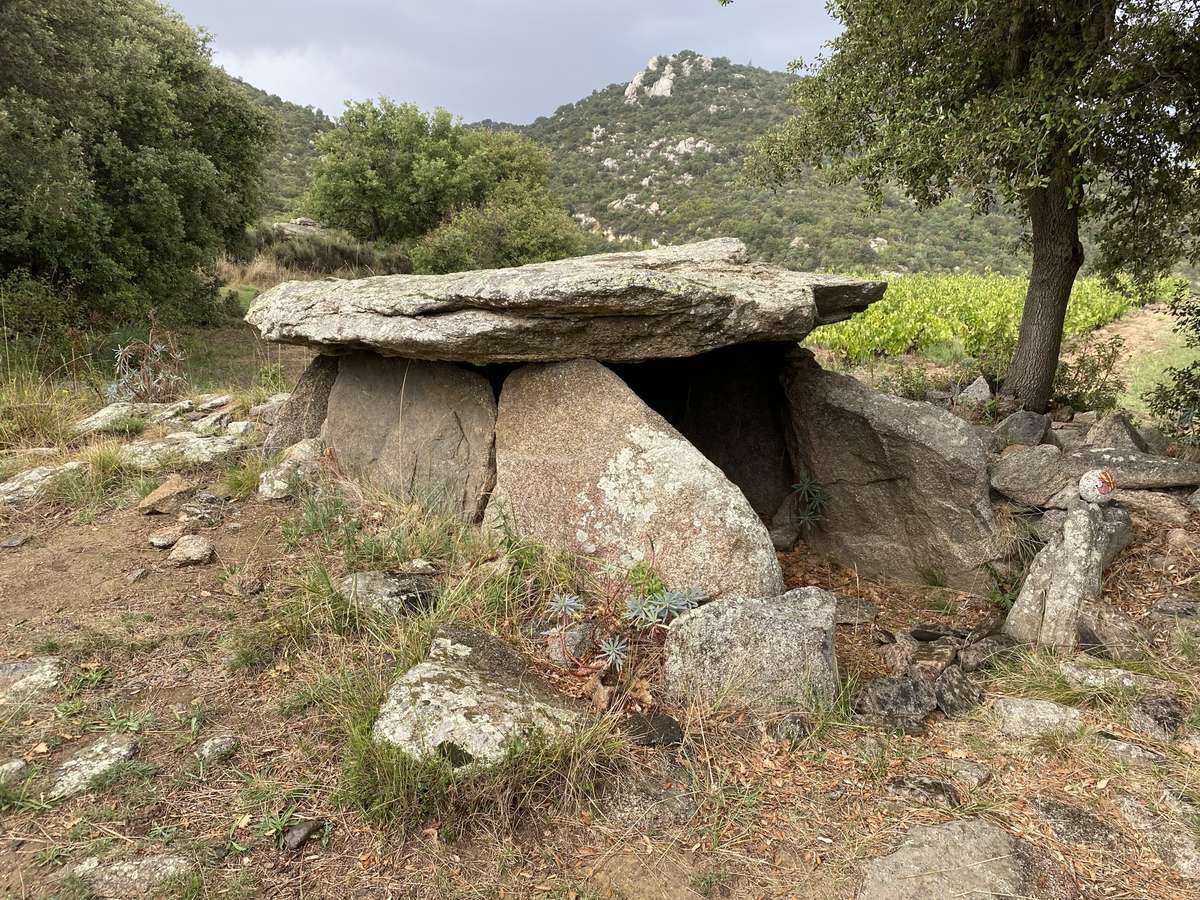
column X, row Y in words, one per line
column 1160, row 717
column 270, row 408
column 1126, row 752
column 963, row 858
column 1155, row 507
column 13, row 771
column 241, row 428
column 931, row 658
column 966, row 771
column 1023, row 427
column 166, row 538
column 301, row 833
column 1074, row 825
column 179, row 447
column 617, row 307
column 854, row 611
column 469, row 701
column 167, row 497
column 390, row 593
column 75, row 775
column 1030, row 475
column 33, row 484
column 1082, row 674
column 925, row 790
column 1117, row 432
column 26, row 679
column 1183, row 540
column 768, row 652
column 303, row 414
column 570, row 645
column 131, row 877
column 583, row 463
column 1021, row 718
column 300, row 462
column 421, row 430
column 218, row 749
column 1035, row 475
column 113, row 415
column 1171, row 839
column 192, row 550
column 213, row 422
column 1135, row 471
column 1066, row 574
column 907, row 482
column 955, row 692
column 989, row 651
column 1108, row 632
column 897, row 698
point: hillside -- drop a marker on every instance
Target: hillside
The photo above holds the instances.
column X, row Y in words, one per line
column 658, row 159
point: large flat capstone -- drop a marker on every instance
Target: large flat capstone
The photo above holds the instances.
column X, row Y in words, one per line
column 617, row 307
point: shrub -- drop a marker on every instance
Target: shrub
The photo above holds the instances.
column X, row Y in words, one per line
column 1088, row 379
column 150, row 371
column 1175, row 402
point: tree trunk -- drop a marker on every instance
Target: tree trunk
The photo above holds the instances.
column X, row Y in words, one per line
column 1057, row 256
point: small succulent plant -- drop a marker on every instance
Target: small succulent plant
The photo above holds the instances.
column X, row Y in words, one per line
column 641, row 612
column 613, row 651
column 673, row 604
column 565, row 606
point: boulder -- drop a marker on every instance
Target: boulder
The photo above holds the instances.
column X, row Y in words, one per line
column 616, row 307
column 1133, row 470
column 962, row 858
column 1117, row 432
column 1020, row 718
column 14, row 771
column 1034, row 476
column 583, row 463
column 470, row 702
column 34, row 484
column 906, row 482
column 303, row 413
column 1030, row 475
column 771, row 652
column 300, row 462
column 420, row 430
column 1022, row 427
column 1066, row 574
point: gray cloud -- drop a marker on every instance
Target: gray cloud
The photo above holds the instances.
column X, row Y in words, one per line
column 511, row 60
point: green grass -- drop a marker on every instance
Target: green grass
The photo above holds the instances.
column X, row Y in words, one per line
column 1147, row 370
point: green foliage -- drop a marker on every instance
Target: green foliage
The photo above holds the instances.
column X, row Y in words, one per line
column 327, row 252
column 130, row 161
column 1089, row 378
column 1175, row 403
column 811, row 501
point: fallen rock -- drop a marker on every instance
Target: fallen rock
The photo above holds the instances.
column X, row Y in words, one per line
column 300, row 462
column 965, row 771
column 1022, row 427
column 13, row 772
column 992, row 650
column 925, row 791
column 301, row 833
column 583, row 463
column 166, row 538
column 906, row 482
column 75, row 776
column 768, row 652
column 1066, row 574
column 1110, row 633
column 977, row 393
column 1035, row 475
column 1074, row 825
column 1020, row 718
column 34, row 484
column 1133, row 470
column 963, row 858
column 956, row 694
column 192, row 550
column 26, row 679
column 420, row 430
column 1091, row 676
column 241, row 428
column 390, row 593
column 1117, row 432
column 167, row 497
column 270, row 408
column 1155, row 507
column 1160, row 717
column 897, row 699
column 1171, row 839
column 131, row 877
column 1126, row 752
column 303, row 415
column 929, row 659
column 469, row 701
column 617, row 307
column 218, row 749
column 180, row 447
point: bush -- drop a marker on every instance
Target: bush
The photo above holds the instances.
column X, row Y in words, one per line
column 1175, row 403
column 1088, row 379
column 36, row 317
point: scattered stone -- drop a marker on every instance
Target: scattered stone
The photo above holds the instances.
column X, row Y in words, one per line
column 791, row 727
column 1179, row 613
column 168, row 497
column 854, row 611
column 1117, row 432
column 241, row 429
column 1034, row 475
column 136, row 575
column 301, row 833
column 1155, row 507
column 1073, row 825
column 192, row 550
column 897, row 699
column 907, row 482
column 34, row 484
column 26, row 679
column 218, row 749
column 1023, row 427
column 622, row 307
column 303, row 414
column 270, row 408
column 962, row 858
column 583, row 463
column 1160, row 717
column 774, row 651
column 1170, row 839
column 1082, row 674
column 469, row 700
column 205, row 509
column 931, row 658
column 1110, row 633
column 13, row 772
column 75, row 776
column 992, row 650
column 1066, row 574
column 421, row 430
column 132, row 877
column 1126, row 752
column 932, row 632
column 1030, row 475
column 179, row 447
column 977, row 393
column 390, row 593
column 1020, row 718
column 213, row 423
column 925, row 790
column 207, row 403
column 166, row 538
column 569, row 645
column 13, row 541
column 955, row 692
column 654, row 729
column 115, row 414
column 970, row 773
column 300, row 462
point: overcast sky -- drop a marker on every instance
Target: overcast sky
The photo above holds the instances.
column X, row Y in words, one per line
column 510, row 60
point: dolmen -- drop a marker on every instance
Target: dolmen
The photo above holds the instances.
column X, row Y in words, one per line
column 636, row 407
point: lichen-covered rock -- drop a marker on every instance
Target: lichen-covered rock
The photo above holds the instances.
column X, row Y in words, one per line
column 218, row 749
column 583, row 463
column 390, row 593
column 1110, row 633
column 75, row 776
column 470, row 701
column 25, row 679
column 906, row 482
column 1117, row 432
column 302, row 415
column 1030, row 475
column 616, row 307
column 775, row 651
column 421, row 430
column 897, row 699
column 1022, row 427
column 13, row 771
column 1156, row 507
column 963, row 858
column 179, row 447
column 1035, row 476
column 1166, row 832
column 956, row 694
column 1066, row 574
column 192, row 550
column 270, row 408
column 33, row 484
column 1160, row 717
column 1020, row 718
column 300, row 462
column 131, row 878
column 1083, row 674
column 992, row 650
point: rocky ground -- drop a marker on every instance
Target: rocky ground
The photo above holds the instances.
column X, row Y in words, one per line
column 192, row 726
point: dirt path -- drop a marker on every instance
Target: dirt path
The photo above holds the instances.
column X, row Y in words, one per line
column 1151, row 347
